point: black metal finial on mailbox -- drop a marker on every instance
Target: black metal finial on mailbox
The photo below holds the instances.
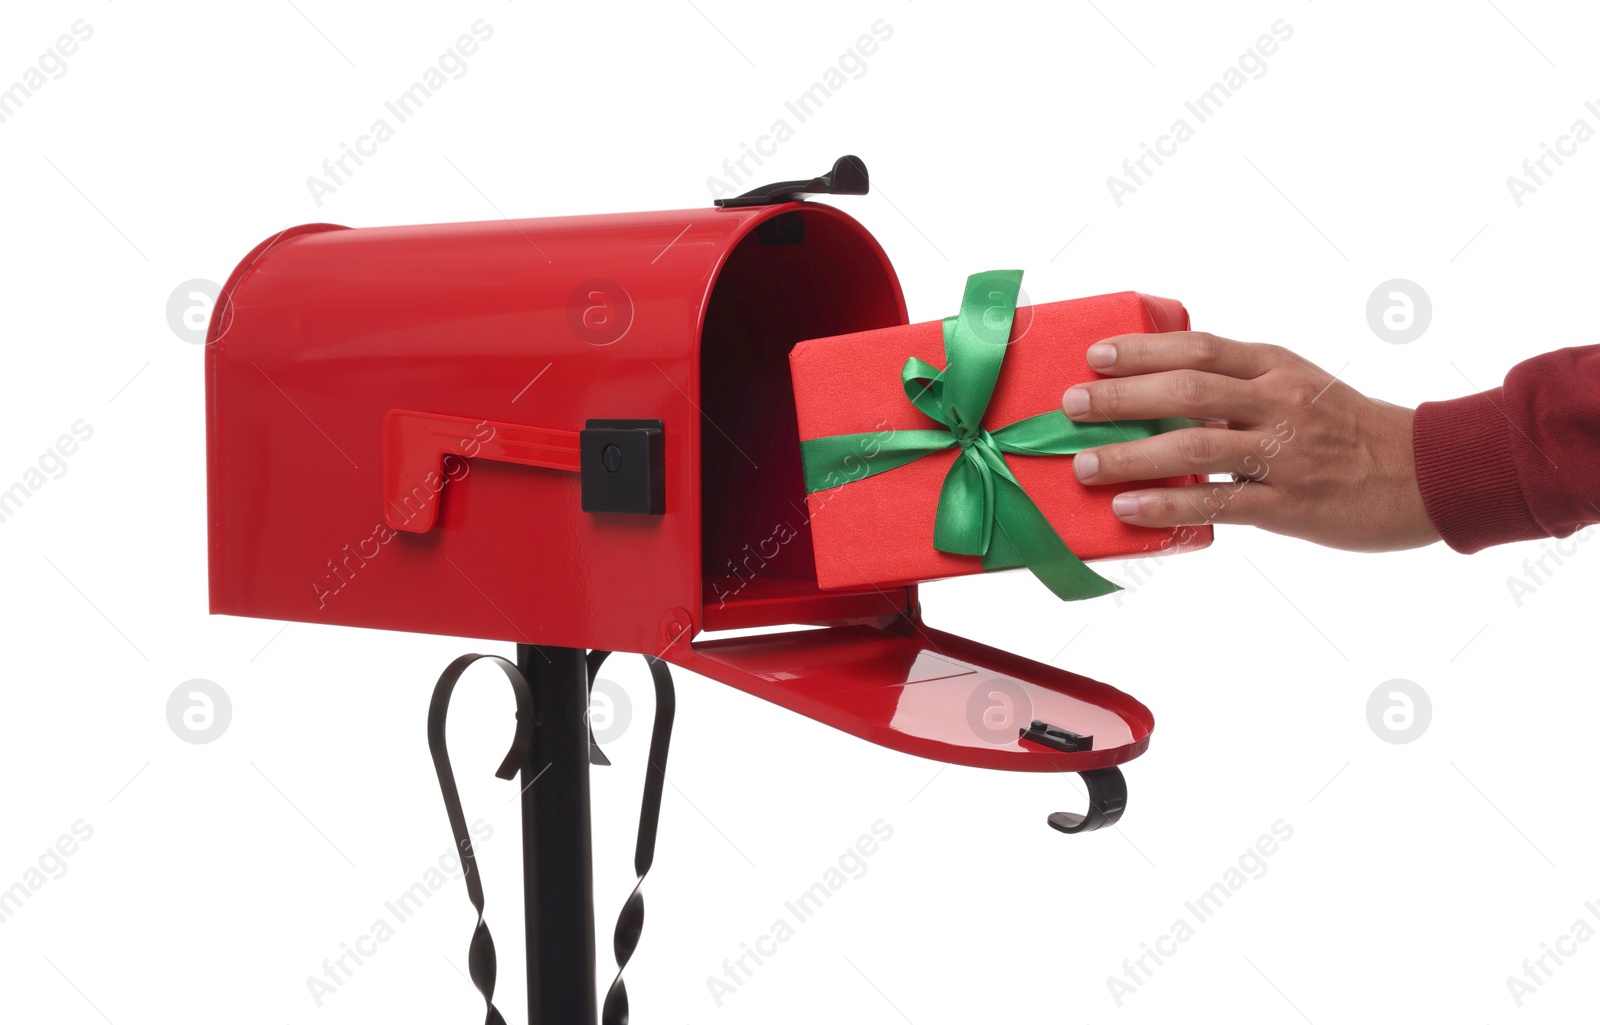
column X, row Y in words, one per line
column 847, row 178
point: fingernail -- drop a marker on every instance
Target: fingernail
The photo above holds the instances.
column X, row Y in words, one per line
column 1125, row 505
column 1075, row 402
column 1101, row 355
column 1086, row 464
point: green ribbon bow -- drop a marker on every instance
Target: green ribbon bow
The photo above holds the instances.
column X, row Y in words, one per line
column 983, row 511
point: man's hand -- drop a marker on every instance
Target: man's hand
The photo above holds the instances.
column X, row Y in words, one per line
column 1311, row 457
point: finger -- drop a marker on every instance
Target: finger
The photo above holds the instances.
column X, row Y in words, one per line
column 1191, row 450
column 1126, row 355
column 1190, row 393
column 1221, row 502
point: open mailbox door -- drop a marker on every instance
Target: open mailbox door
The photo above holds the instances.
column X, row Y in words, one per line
column 911, row 688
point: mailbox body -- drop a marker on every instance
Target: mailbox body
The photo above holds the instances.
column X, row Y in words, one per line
column 322, row 331
column 333, row 352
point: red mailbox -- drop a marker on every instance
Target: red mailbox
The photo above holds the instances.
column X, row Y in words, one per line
column 578, row 434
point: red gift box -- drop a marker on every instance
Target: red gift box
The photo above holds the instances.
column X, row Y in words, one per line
column 878, row 530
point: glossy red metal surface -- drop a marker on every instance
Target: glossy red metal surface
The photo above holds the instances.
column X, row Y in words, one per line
column 929, row 693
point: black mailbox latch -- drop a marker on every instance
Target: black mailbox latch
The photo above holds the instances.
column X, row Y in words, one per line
column 622, row 466
column 1054, row 736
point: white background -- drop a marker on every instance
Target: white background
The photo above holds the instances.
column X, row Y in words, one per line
column 1377, row 145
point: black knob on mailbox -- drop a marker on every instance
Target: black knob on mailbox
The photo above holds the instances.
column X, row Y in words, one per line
column 622, row 466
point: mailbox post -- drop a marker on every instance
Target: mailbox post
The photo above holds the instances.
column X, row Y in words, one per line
column 557, row 867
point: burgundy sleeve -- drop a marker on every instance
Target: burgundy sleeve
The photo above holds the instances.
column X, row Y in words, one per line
column 1519, row 462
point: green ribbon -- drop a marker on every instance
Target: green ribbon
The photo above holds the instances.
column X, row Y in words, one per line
column 983, row 511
